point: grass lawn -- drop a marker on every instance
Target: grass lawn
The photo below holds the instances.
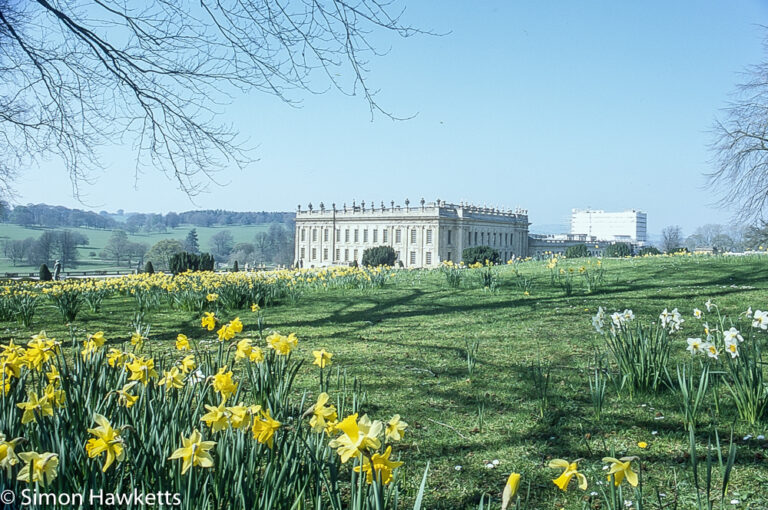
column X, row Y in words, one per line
column 407, row 345
column 97, row 239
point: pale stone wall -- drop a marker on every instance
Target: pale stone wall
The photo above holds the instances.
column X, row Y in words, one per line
column 422, row 235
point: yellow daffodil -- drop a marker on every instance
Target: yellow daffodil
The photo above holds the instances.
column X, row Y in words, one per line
column 395, row 429
column 53, row 376
column 356, row 437
column 137, row 338
column 216, row 417
column 642, row 444
column 239, row 416
column 570, row 469
column 171, row 379
column 141, row 369
column 264, row 428
column 244, row 349
column 510, row 489
column 194, row 452
column 8, row 457
column 223, row 384
column 282, row 345
column 54, row 396
column 33, row 405
column 208, row 321
column 225, row 332
column 107, row 441
column 380, row 465
column 115, row 357
column 188, row 364
column 322, row 415
column 212, row 297
column 620, row 469
column 236, row 325
column 125, row 398
column 97, row 338
column 257, row 355
column 182, row 343
column 322, row 358
column 255, row 307
column 39, row 467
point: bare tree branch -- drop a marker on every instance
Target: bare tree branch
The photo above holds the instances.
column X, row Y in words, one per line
column 79, row 74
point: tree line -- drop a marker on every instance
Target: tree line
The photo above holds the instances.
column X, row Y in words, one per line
column 49, row 216
column 50, row 246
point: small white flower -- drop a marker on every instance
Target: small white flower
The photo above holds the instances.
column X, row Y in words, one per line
column 709, row 305
column 490, row 466
column 605, row 468
column 627, row 503
column 662, row 494
column 733, row 334
column 760, row 437
column 712, row 351
column 696, row 345
column 197, row 376
column 457, row 467
column 628, row 315
column 747, row 437
column 735, row 501
column 658, row 417
column 760, row 320
column 732, row 348
column 697, row 313
column 748, row 313
column 593, row 493
column 495, row 462
column 654, row 432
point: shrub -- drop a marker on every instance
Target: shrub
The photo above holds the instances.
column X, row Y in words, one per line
column 577, row 251
column 649, row 250
column 618, row 250
column 149, row 268
column 379, row 256
column 235, row 267
column 480, row 254
column 185, row 261
column 45, row 274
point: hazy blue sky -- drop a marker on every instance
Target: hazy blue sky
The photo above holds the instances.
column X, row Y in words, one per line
column 541, row 104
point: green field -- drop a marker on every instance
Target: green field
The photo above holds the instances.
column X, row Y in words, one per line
column 407, row 345
column 97, row 238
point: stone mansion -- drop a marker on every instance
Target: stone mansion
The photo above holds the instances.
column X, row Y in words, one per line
column 422, row 235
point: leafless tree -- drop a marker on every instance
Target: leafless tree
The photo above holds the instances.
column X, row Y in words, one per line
column 671, row 238
column 740, row 147
column 156, row 74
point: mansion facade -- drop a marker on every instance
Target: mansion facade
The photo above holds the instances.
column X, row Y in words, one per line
column 422, row 236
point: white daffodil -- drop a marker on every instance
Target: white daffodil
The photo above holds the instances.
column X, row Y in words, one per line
column 733, row 334
column 696, row 346
column 712, row 351
column 628, row 315
column 760, row 320
column 697, row 313
column 732, row 348
column 598, row 321
column 709, row 305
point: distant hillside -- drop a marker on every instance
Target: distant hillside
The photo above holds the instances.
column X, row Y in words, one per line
column 50, row 216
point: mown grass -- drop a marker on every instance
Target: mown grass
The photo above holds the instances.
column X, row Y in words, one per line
column 98, row 238
column 406, row 344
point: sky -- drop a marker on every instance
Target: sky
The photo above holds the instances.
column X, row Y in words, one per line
column 544, row 105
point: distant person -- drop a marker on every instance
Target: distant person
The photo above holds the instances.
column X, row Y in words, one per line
column 57, row 270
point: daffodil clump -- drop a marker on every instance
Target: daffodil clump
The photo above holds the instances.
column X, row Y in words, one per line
column 218, row 410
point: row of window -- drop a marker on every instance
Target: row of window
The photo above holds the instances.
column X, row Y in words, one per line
column 374, row 232
column 490, row 238
column 354, row 253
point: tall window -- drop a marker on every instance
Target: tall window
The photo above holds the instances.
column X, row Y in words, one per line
column 314, row 253
column 314, row 235
column 365, row 235
column 302, row 234
column 325, row 235
column 384, row 235
column 375, row 236
column 413, row 235
column 475, row 237
column 429, row 258
column 449, row 237
column 338, row 253
column 449, row 256
column 302, row 253
column 346, row 235
column 429, row 235
column 338, row 236
column 325, row 253
column 413, row 258
column 346, row 255
column 469, row 237
column 355, row 255
column 357, row 235
column 398, row 236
